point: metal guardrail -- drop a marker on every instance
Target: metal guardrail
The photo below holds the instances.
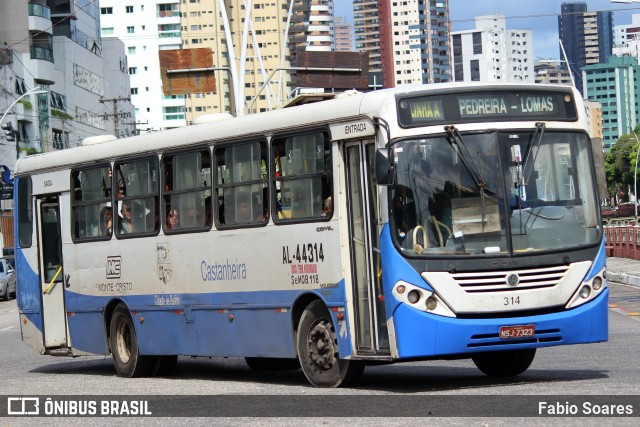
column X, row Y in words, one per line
column 622, row 241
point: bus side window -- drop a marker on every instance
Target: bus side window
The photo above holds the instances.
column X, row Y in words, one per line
column 25, row 212
column 241, row 184
column 91, row 199
column 187, row 191
column 303, row 185
column 138, row 187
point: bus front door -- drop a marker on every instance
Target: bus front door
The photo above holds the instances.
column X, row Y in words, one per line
column 51, row 275
column 370, row 319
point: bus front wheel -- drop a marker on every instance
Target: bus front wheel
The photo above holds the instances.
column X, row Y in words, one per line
column 504, row 363
column 317, row 347
column 124, row 346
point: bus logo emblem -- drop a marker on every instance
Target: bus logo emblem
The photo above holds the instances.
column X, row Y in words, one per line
column 113, row 267
column 513, row 280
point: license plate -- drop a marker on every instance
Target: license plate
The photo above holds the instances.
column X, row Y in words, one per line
column 517, row 331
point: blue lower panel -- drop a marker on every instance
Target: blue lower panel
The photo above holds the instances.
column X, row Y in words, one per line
column 87, row 332
column 165, row 332
column 252, row 332
column 419, row 334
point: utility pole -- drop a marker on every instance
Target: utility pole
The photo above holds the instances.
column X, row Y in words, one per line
column 116, row 113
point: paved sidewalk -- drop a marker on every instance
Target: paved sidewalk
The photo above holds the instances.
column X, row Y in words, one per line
column 623, row 276
column 623, row 270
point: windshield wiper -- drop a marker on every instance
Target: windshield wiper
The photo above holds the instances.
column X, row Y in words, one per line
column 533, row 145
column 457, row 143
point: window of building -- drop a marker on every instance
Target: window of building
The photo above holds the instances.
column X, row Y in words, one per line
column 129, row 9
column 241, row 184
column 187, row 191
column 134, row 91
column 133, row 70
column 475, row 70
column 106, row 10
column 131, row 50
column 130, row 30
column 137, row 186
column 91, row 203
column 302, row 176
column 477, row 43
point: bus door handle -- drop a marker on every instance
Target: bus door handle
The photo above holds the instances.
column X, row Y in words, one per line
column 50, row 286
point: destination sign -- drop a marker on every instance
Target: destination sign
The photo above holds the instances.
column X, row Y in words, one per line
column 486, row 107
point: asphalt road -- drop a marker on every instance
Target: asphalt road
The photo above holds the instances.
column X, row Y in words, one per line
column 435, row 391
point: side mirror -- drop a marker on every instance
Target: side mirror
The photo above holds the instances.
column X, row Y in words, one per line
column 384, row 167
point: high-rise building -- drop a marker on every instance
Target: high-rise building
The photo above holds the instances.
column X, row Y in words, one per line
column 407, row 41
column 623, row 34
column 344, row 34
column 267, row 36
column 146, row 27
column 616, row 86
column 587, row 37
column 626, row 38
column 490, row 52
column 549, row 72
column 54, row 72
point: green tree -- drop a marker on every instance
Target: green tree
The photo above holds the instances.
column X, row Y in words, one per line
column 620, row 161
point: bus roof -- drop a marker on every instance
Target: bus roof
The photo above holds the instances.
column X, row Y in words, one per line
column 368, row 104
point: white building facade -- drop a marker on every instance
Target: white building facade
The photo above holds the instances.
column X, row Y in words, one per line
column 146, row 27
column 491, row 52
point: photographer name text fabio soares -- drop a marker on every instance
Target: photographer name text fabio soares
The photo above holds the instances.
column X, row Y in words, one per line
column 586, row 408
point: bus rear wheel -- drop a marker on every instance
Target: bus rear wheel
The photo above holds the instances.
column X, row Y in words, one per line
column 504, row 363
column 317, row 347
column 124, row 346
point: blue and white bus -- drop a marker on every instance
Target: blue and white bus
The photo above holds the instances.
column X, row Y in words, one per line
column 432, row 222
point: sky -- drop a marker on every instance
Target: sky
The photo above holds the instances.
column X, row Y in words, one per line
column 540, row 16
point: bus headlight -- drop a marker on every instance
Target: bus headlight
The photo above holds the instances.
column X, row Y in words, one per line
column 588, row 290
column 413, row 296
column 585, row 291
column 421, row 299
column 597, row 283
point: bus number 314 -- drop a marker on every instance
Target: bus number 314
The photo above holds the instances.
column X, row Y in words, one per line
column 511, row 300
column 305, row 252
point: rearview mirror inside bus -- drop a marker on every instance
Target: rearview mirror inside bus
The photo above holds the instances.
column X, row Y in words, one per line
column 384, row 167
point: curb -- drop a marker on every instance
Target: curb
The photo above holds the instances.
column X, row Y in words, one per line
column 624, row 278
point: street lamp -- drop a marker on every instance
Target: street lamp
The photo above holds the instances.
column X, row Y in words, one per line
column 35, row 90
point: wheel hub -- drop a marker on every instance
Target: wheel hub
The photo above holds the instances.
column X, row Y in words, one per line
column 321, row 344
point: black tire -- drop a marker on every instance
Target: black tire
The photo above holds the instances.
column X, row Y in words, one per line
column 504, row 363
column 270, row 364
column 124, row 346
column 318, row 350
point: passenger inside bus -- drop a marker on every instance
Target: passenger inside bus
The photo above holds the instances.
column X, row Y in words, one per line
column 106, row 220
column 327, row 209
column 173, row 219
column 126, row 220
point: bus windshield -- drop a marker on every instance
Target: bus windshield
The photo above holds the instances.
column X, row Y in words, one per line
column 492, row 193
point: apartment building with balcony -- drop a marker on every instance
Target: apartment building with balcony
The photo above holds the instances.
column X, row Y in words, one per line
column 407, row 41
column 56, row 46
column 146, row 27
